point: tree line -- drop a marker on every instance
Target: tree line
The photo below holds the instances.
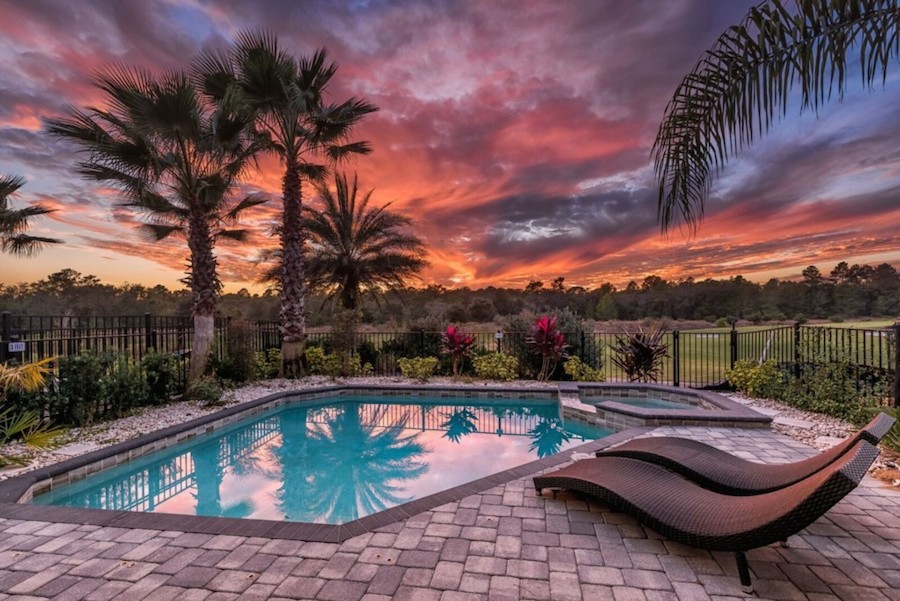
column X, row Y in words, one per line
column 847, row 291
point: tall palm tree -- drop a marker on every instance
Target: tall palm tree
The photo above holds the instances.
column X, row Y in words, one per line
column 354, row 248
column 742, row 84
column 14, row 222
column 288, row 98
column 177, row 159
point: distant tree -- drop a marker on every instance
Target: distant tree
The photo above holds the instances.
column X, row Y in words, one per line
column 558, row 285
column 177, row 160
column 14, row 222
column 743, row 83
column 534, row 286
column 606, row 309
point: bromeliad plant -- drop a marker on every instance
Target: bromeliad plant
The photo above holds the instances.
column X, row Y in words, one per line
column 548, row 342
column 640, row 354
column 458, row 345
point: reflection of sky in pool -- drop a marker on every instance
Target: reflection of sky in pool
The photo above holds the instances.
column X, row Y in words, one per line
column 331, row 462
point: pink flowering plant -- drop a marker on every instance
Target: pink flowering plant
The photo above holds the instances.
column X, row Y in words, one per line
column 458, row 345
column 548, row 342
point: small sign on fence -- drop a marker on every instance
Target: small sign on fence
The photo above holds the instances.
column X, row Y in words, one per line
column 16, row 347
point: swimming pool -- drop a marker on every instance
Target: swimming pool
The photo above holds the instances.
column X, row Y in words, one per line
column 331, row 460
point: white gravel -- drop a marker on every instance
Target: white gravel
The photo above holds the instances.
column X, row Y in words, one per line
column 148, row 419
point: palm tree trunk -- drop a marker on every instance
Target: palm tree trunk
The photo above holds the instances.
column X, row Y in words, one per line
column 205, row 290
column 293, row 280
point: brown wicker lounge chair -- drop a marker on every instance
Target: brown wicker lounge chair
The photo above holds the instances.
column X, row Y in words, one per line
column 689, row 514
column 725, row 473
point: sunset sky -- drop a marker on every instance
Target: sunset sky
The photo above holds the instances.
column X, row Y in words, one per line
column 516, row 134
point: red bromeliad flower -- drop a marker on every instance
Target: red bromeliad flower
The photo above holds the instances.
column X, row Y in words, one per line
column 457, row 344
column 548, row 342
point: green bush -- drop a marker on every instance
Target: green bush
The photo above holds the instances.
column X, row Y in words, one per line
column 162, row 375
column 267, row 364
column 582, row 372
column 206, row 390
column 237, row 362
column 496, row 366
column 320, row 363
column 124, row 389
column 418, row 368
column 760, row 380
column 80, row 398
column 833, row 388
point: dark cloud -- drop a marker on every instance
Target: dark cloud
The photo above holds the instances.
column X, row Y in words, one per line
column 516, row 133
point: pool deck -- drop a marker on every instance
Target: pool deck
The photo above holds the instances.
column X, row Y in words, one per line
column 503, row 543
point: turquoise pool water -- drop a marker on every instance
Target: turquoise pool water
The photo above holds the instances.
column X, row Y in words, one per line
column 650, row 403
column 331, row 462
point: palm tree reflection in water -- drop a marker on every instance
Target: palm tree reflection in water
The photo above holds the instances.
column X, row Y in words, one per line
column 548, row 436
column 342, row 469
column 459, row 423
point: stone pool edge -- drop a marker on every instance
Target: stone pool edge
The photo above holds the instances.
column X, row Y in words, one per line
column 17, row 491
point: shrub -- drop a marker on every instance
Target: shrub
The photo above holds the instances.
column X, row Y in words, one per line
column 206, row 390
column 267, row 364
column 640, row 354
column 332, row 364
column 833, row 387
column 721, row 322
column 548, row 342
column 162, row 375
column 418, row 368
column 80, row 397
column 496, row 366
column 238, row 360
column 458, row 345
column 761, row 380
column 124, row 389
column 582, row 372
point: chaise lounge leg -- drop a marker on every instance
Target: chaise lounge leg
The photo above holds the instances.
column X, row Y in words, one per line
column 743, row 572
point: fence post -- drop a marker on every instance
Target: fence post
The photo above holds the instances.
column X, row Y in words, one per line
column 5, row 334
column 897, row 365
column 676, row 364
column 148, row 332
column 797, row 349
column 734, row 344
column 422, row 343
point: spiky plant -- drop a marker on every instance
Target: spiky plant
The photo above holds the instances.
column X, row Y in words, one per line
column 741, row 85
column 640, row 354
column 548, row 342
column 458, row 345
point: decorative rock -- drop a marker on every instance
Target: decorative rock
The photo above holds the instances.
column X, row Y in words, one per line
column 793, row 422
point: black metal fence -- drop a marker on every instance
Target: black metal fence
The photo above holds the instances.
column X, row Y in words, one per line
column 695, row 358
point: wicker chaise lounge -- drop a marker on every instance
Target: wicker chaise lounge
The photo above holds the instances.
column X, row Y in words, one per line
column 723, row 472
column 689, row 514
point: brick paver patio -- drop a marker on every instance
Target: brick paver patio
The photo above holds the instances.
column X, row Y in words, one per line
column 505, row 543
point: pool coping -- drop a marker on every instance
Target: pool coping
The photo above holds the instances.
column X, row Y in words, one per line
column 17, row 491
column 724, row 412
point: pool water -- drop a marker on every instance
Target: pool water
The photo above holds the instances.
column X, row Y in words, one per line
column 333, row 461
column 650, row 403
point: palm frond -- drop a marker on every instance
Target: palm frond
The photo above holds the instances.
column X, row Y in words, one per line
column 154, row 232
column 9, row 184
column 23, row 245
column 254, row 200
column 742, row 85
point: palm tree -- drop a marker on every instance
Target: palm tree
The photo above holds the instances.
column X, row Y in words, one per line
column 177, row 160
column 14, row 222
column 742, row 84
column 354, row 248
column 287, row 96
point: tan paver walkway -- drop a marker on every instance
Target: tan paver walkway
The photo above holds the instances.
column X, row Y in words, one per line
column 505, row 543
